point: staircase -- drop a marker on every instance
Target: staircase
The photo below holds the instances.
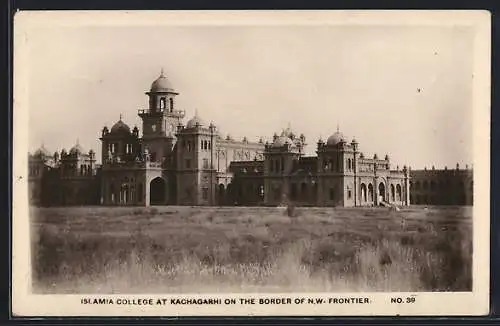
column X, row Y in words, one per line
column 391, row 206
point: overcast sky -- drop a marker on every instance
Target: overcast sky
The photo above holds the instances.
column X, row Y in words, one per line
column 405, row 91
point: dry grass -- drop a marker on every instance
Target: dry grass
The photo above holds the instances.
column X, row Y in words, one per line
column 194, row 249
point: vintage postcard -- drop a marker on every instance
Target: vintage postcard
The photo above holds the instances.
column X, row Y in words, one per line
column 251, row 163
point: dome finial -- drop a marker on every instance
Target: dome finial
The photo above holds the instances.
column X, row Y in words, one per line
column 338, row 128
column 120, row 117
column 162, row 73
column 195, row 112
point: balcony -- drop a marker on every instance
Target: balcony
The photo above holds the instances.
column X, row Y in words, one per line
column 176, row 113
column 132, row 165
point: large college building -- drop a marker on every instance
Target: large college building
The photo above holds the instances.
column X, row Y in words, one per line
column 173, row 163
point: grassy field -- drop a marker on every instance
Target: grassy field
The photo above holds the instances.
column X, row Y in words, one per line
column 236, row 249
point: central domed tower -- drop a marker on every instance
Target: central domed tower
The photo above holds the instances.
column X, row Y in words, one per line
column 160, row 120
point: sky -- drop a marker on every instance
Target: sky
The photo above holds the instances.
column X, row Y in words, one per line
column 404, row 91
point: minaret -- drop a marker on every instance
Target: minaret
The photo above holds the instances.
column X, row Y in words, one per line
column 160, row 120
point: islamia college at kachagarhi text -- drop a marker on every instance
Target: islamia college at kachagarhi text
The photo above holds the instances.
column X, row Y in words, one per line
column 192, row 164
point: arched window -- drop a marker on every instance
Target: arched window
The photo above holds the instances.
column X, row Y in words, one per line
column 393, row 193
column 398, row 192
column 332, row 193
column 171, row 100
column 370, row 192
column 162, row 103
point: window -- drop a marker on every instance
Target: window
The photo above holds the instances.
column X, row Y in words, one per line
column 204, row 193
column 111, row 147
column 205, row 163
column 349, row 194
column 188, row 164
column 332, row 193
column 171, row 100
column 128, row 148
column 209, row 145
column 162, row 103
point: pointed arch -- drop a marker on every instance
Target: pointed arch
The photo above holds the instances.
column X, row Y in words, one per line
column 157, row 191
column 398, row 192
column 363, row 192
column 370, row 192
column 381, row 191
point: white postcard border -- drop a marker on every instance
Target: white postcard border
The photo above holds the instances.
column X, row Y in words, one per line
column 474, row 303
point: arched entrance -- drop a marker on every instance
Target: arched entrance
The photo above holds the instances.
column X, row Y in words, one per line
column 157, row 191
column 381, row 192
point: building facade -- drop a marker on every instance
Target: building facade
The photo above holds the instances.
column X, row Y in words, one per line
column 173, row 163
column 443, row 186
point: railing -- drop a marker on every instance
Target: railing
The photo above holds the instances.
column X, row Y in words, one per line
column 128, row 165
column 178, row 113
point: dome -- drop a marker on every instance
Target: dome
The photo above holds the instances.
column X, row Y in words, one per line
column 162, row 84
column 77, row 149
column 194, row 121
column 281, row 141
column 335, row 139
column 120, row 127
column 42, row 151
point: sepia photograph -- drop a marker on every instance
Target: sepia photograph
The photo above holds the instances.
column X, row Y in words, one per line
column 179, row 153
